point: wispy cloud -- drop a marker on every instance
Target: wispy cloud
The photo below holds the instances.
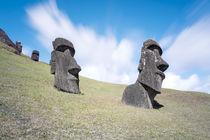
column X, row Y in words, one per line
column 190, row 51
column 101, row 57
column 26, row 50
column 166, row 41
column 191, row 48
column 197, row 7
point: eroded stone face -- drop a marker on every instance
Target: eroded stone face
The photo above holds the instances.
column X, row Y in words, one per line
column 151, row 68
column 52, row 62
column 35, row 55
column 18, row 47
column 64, row 66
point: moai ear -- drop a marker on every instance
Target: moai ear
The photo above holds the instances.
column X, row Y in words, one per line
column 141, row 64
column 53, row 62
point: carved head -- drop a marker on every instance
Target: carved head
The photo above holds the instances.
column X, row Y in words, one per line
column 64, row 66
column 18, row 47
column 151, row 66
column 35, row 55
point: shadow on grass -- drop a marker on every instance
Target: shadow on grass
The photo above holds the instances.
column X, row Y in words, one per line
column 157, row 105
column 59, row 89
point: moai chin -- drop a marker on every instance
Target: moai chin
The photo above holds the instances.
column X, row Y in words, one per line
column 35, row 55
column 64, row 66
column 149, row 82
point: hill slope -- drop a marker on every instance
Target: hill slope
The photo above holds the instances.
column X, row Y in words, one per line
column 31, row 108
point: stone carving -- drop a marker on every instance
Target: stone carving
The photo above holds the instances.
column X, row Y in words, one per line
column 5, row 39
column 64, row 66
column 35, row 55
column 148, row 84
column 18, row 47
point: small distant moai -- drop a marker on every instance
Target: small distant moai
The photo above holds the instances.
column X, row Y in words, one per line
column 64, row 66
column 18, row 47
column 35, row 55
column 149, row 82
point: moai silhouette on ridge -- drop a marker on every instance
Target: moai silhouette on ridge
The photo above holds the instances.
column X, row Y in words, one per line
column 18, row 47
column 35, row 55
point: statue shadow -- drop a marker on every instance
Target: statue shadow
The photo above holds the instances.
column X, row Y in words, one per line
column 59, row 89
column 157, row 105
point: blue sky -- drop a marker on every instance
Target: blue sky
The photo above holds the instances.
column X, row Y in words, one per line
column 108, row 35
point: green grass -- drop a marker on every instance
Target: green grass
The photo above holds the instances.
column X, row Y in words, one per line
column 31, row 108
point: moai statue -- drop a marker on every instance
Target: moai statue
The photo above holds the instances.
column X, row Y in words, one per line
column 35, row 55
column 64, row 66
column 18, row 47
column 148, row 84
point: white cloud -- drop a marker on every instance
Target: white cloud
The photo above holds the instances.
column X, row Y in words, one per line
column 101, row 57
column 174, row 81
column 205, row 86
column 191, row 48
column 189, row 52
column 192, row 83
column 26, row 50
column 165, row 42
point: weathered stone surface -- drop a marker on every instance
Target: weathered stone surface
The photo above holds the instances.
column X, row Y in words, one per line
column 64, row 66
column 61, row 44
column 136, row 95
column 149, row 82
column 52, row 62
column 35, row 55
column 18, row 47
column 5, row 39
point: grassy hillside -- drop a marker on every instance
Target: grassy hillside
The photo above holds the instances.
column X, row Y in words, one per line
column 31, row 108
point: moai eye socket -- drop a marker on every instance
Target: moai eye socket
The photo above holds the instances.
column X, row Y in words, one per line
column 155, row 49
column 61, row 45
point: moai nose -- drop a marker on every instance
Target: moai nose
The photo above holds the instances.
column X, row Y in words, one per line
column 162, row 65
column 74, row 71
column 74, row 68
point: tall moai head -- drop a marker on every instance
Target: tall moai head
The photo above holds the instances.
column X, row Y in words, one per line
column 149, row 82
column 152, row 66
column 18, row 47
column 35, row 55
column 64, row 66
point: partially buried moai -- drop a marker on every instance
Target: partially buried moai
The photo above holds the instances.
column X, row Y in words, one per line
column 18, row 47
column 149, row 82
column 64, row 66
column 35, row 55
